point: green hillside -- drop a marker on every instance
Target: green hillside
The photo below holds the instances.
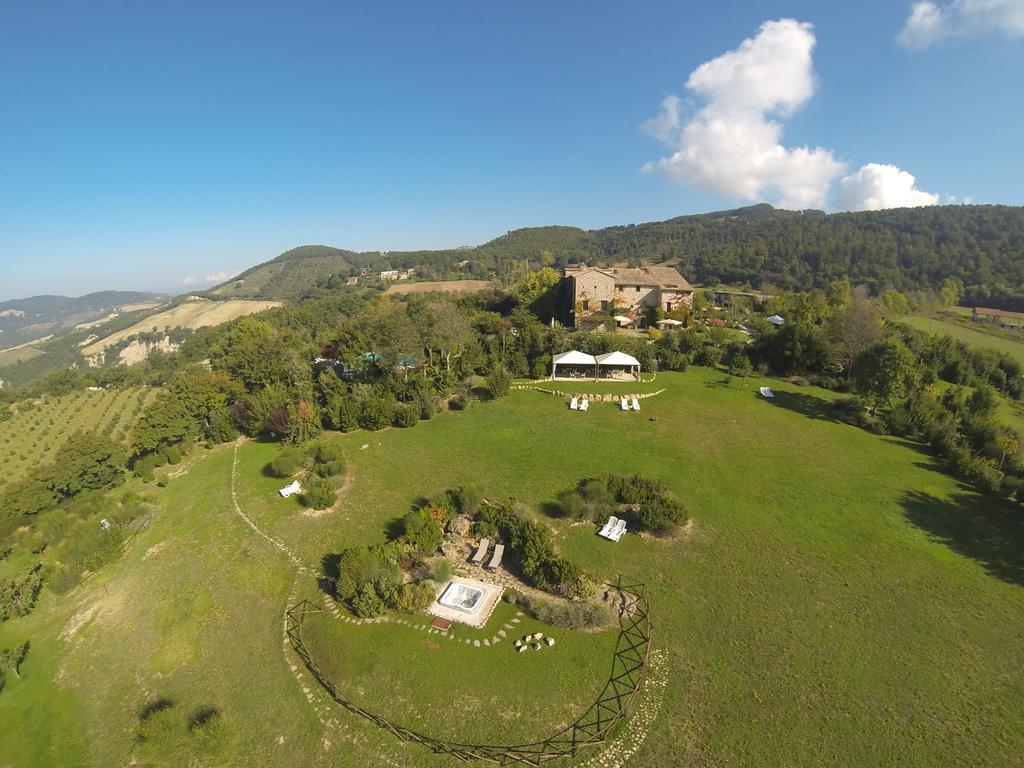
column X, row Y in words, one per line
column 837, row 601
column 909, row 249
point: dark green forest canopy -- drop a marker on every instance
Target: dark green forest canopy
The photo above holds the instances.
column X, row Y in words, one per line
column 905, row 248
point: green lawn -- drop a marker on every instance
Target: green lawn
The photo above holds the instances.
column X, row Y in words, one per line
column 837, row 601
column 969, row 335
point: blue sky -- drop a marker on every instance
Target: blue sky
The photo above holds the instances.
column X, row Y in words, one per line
column 140, row 145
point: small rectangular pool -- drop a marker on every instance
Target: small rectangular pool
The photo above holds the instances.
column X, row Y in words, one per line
column 461, row 597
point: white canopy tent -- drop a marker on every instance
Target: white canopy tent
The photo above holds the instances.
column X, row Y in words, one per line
column 611, row 362
column 777, row 320
column 669, row 323
column 623, row 320
column 573, row 363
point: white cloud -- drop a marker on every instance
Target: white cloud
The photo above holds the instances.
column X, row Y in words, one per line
column 876, row 186
column 213, row 279
column 930, row 23
column 731, row 146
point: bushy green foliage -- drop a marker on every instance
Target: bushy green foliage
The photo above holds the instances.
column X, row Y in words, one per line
column 422, row 531
column 319, row 493
column 367, row 604
column 468, row 499
column 441, row 570
column 376, row 413
column 11, row 660
column 568, row 615
column 499, row 380
column 531, row 547
column 18, row 594
column 286, row 463
column 407, row 415
column 412, row 598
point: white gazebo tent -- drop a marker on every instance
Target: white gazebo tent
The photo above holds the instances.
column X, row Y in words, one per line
column 613, row 363
column 574, row 363
column 623, row 321
column 669, row 323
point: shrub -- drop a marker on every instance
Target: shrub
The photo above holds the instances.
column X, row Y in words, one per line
column 441, row 570
column 468, row 498
column 173, row 455
column 498, row 382
column 585, row 615
column 376, row 413
column 422, row 531
column 411, row 598
column 320, row 494
column 286, row 463
column 407, row 415
column 459, row 403
column 367, row 603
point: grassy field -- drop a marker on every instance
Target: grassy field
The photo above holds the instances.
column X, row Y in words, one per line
column 189, row 314
column 969, row 335
column 18, row 354
column 34, row 434
column 836, row 601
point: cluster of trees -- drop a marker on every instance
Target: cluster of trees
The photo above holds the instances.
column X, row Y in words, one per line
column 321, row 461
column 930, row 388
column 11, row 660
column 532, row 548
column 368, row 580
column 18, row 594
column 644, row 502
column 86, row 462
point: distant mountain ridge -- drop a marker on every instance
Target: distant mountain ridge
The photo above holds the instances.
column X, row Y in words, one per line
column 904, row 248
column 24, row 320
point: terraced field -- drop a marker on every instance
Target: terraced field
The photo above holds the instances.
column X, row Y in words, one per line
column 36, row 433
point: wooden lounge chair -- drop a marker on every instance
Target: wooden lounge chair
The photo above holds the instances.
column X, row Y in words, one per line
column 499, row 550
column 481, row 552
column 625, row 404
column 636, row 404
column 609, row 526
column 585, row 405
column 574, row 403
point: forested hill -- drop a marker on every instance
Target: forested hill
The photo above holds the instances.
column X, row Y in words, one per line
column 906, row 248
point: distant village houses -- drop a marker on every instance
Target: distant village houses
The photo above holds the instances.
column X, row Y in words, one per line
column 1001, row 317
column 394, row 274
column 626, row 294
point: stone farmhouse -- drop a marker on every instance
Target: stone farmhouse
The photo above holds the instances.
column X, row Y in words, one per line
column 625, row 293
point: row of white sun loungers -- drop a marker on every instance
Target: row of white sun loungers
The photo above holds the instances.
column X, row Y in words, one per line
column 582, row 404
column 481, row 554
column 613, row 529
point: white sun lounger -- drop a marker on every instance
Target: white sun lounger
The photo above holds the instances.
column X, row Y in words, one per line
column 290, row 489
column 574, row 403
column 766, row 392
column 481, row 552
column 584, row 405
column 636, row 404
column 609, row 526
column 617, row 531
column 625, row 404
column 499, row 550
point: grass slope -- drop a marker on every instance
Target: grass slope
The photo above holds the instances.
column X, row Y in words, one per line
column 837, row 600
column 969, row 336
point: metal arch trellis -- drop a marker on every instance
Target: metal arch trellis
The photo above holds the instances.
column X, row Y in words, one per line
column 629, row 664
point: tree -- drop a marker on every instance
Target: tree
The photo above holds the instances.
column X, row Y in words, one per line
column 886, row 371
column 448, row 333
column 87, row 461
column 850, row 332
column 499, row 381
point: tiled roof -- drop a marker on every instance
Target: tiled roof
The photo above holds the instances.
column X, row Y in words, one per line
column 663, row 277
column 997, row 312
